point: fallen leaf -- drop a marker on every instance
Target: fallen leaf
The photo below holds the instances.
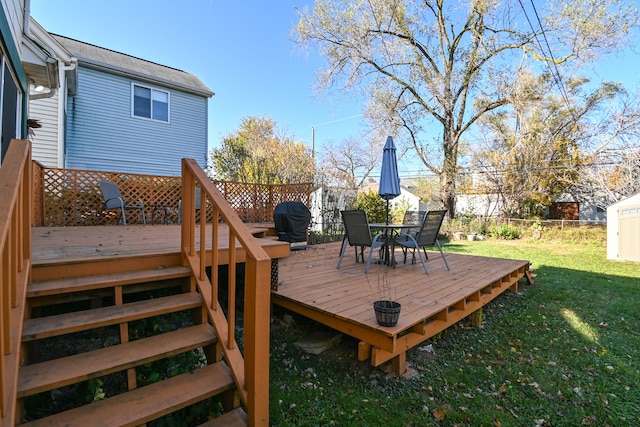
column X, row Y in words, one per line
column 439, row 414
column 587, row 421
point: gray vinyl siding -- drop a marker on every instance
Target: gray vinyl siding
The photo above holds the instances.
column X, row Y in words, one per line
column 102, row 134
column 45, row 141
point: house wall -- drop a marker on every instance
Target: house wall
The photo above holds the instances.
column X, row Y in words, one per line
column 564, row 210
column 45, row 147
column 590, row 212
column 479, row 204
column 14, row 13
column 102, row 134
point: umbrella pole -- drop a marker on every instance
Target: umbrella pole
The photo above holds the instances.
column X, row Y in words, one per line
column 386, row 237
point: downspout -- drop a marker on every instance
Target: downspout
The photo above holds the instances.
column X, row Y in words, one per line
column 62, row 111
column 26, row 20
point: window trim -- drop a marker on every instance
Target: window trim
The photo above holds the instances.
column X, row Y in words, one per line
column 152, row 89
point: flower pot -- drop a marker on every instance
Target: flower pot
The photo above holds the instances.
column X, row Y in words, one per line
column 387, row 312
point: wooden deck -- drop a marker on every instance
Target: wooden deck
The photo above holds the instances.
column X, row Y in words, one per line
column 103, row 241
column 310, row 285
column 78, row 251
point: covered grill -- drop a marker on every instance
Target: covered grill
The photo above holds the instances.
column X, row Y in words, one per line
column 292, row 221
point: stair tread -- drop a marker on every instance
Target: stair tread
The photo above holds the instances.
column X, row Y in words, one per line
column 60, row 324
column 99, row 281
column 235, row 418
column 56, row 373
column 147, row 403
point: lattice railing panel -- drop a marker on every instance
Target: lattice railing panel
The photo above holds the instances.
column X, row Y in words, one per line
column 68, row 197
column 37, row 171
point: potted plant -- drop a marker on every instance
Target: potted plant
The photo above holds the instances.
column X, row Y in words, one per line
column 387, row 310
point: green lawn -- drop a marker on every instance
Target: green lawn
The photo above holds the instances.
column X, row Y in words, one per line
column 563, row 352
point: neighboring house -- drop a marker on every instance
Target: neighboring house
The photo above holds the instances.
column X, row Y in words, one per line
column 406, row 199
column 116, row 112
column 484, row 205
column 571, row 207
column 327, row 202
column 623, row 229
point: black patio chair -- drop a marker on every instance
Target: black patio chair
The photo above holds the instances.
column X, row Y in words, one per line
column 196, row 203
column 414, row 218
column 358, row 234
column 427, row 237
column 112, row 199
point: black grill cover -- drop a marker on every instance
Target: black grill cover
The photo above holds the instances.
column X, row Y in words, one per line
column 292, row 220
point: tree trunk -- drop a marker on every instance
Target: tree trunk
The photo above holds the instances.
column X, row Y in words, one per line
column 448, row 193
column 449, row 174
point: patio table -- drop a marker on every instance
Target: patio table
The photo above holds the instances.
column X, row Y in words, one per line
column 160, row 207
column 391, row 231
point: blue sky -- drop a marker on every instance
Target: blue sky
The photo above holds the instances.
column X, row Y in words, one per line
column 242, row 51
column 239, row 49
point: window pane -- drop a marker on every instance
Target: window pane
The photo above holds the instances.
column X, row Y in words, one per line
column 160, row 96
column 141, row 102
column 161, row 106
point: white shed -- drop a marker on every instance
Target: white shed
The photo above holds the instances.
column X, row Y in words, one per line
column 623, row 229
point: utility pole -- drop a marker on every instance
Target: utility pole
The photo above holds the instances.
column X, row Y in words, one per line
column 313, row 142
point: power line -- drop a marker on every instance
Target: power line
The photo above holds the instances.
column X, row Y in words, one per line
column 336, row 120
column 555, row 73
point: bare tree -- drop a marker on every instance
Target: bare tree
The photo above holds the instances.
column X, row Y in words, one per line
column 420, row 62
column 349, row 163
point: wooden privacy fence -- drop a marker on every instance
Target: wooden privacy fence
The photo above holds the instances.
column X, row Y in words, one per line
column 69, row 197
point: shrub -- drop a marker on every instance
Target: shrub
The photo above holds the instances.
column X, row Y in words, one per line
column 506, row 232
column 373, row 205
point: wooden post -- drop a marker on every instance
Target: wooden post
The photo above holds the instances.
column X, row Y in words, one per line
column 257, row 323
column 476, row 318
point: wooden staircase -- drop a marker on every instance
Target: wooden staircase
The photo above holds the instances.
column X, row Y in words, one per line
column 75, row 302
column 111, row 302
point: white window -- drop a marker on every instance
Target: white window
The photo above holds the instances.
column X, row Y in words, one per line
column 150, row 103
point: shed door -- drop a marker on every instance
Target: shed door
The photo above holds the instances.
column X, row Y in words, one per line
column 629, row 233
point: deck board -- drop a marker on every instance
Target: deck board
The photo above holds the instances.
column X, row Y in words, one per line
column 52, row 244
column 310, row 284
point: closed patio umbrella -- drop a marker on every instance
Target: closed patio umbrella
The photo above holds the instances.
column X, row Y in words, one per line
column 389, row 179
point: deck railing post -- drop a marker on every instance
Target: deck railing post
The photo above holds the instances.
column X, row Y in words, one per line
column 256, row 347
column 251, row 369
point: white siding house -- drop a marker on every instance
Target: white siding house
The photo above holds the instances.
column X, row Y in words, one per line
column 405, row 199
column 623, row 230
column 485, row 205
column 47, row 103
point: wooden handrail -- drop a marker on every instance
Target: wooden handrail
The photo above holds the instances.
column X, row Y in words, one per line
column 15, row 265
column 251, row 370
